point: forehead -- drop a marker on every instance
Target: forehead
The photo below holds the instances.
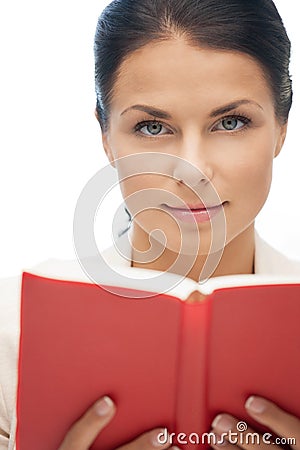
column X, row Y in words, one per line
column 163, row 71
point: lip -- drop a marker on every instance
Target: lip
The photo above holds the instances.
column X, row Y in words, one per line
column 199, row 206
column 195, row 213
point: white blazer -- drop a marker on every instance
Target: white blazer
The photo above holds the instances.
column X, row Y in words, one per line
column 268, row 261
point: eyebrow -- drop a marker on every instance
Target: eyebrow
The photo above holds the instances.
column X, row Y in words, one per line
column 216, row 112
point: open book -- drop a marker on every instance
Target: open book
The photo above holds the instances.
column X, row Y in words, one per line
column 164, row 361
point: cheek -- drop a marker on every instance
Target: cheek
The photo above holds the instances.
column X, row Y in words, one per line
column 142, row 192
column 251, row 175
column 142, row 183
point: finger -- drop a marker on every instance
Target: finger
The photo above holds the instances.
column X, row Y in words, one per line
column 86, row 429
column 279, row 421
column 151, row 440
column 218, row 441
column 231, row 431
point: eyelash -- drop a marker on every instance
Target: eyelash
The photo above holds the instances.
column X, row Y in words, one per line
column 246, row 120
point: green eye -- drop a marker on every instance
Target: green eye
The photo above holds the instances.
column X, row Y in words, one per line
column 154, row 128
column 230, row 124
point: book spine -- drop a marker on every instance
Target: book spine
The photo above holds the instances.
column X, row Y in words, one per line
column 191, row 419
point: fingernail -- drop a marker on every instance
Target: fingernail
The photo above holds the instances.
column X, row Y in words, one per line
column 103, row 406
column 174, row 448
column 159, row 437
column 222, row 423
column 220, row 441
column 256, row 405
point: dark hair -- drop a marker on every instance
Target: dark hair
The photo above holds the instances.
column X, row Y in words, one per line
column 253, row 27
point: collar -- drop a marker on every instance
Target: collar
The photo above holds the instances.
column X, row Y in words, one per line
column 267, row 260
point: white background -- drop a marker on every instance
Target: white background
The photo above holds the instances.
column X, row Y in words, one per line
column 50, row 143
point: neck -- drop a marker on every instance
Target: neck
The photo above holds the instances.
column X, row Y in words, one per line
column 237, row 257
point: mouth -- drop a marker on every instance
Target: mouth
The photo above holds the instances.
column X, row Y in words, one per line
column 194, row 208
column 197, row 213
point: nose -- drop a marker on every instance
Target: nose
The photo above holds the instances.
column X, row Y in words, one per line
column 189, row 174
column 193, row 166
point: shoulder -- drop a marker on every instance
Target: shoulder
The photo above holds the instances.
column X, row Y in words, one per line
column 269, row 260
column 10, row 296
column 10, row 289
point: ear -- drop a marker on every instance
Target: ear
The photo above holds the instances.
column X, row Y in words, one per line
column 105, row 143
column 107, row 148
column 281, row 139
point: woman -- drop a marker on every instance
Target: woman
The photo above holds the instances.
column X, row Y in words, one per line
column 206, row 84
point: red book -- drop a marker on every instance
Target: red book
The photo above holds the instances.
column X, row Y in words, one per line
column 164, row 361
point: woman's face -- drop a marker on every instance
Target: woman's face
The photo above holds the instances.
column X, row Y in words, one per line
column 217, row 113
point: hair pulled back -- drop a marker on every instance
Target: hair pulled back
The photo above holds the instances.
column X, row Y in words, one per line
column 253, row 27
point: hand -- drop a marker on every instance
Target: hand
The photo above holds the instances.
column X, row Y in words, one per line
column 83, row 433
column 284, row 425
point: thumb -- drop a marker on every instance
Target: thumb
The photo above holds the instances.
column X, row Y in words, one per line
column 83, row 433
